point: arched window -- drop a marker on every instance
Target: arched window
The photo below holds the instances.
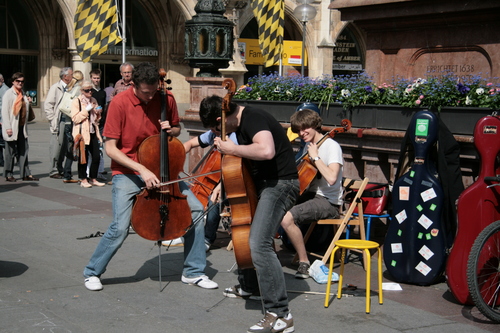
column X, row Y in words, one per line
column 348, row 57
column 19, row 42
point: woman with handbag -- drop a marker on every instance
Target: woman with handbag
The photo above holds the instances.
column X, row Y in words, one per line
column 16, row 113
column 86, row 116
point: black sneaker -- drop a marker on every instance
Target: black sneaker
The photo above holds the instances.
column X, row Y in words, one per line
column 272, row 324
column 303, row 270
column 237, row 292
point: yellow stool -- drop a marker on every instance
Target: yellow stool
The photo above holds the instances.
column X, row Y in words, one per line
column 355, row 244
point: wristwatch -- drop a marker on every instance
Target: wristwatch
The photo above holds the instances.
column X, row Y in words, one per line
column 316, row 158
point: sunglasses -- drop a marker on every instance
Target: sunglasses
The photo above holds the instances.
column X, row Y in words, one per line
column 87, row 90
column 20, row 81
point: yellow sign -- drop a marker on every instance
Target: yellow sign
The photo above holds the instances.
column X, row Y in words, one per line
column 250, row 51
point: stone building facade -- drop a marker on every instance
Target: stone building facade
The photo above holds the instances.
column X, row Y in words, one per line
column 386, row 38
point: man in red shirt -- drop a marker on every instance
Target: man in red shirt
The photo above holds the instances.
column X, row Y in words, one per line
column 133, row 116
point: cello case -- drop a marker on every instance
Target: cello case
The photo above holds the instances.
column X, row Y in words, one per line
column 478, row 207
column 414, row 248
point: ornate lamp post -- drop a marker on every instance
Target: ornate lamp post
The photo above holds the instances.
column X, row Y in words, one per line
column 209, row 38
column 304, row 13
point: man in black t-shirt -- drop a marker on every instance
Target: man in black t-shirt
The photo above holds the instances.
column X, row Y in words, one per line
column 263, row 141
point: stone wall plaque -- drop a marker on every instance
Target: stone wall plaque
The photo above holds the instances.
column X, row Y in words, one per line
column 463, row 62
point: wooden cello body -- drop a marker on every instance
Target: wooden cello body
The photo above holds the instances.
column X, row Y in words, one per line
column 240, row 192
column 478, row 207
column 203, row 186
column 415, row 244
column 161, row 213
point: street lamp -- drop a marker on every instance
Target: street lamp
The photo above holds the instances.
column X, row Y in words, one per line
column 304, row 13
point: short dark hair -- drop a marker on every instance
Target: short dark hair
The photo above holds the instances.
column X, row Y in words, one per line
column 305, row 118
column 146, row 73
column 211, row 109
column 17, row 75
column 95, row 71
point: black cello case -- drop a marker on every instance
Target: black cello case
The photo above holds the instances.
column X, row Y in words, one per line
column 415, row 244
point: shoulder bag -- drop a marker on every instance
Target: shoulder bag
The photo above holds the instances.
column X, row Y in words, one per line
column 66, row 101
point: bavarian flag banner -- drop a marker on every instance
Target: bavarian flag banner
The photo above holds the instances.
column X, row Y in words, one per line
column 96, row 27
column 270, row 15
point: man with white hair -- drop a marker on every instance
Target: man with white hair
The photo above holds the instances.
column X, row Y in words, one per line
column 57, row 123
column 126, row 81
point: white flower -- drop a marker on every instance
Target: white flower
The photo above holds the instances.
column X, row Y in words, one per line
column 480, row 91
column 277, row 90
column 289, row 93
column 468, row 101
column 345, row 93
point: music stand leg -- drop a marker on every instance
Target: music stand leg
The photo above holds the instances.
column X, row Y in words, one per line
column 159, row 262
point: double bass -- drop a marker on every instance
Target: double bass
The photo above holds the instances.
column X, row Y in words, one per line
column 307, row 171
column 162, row 213
column 240, row 191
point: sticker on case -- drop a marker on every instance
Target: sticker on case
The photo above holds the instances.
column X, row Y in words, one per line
column 401, row 216
column 419, row 208
column 428, row 236
column 434, row 232
column 420, row 235
column 425, row 252
column 425, row 221
column 428, row 194
column 433, row 207
column 426, row 183
column 408, row 180
column 397, row 247
column 404, row 193
column 412, row 174
column 400, row 232
column 423, row 268
column 393, row 263
column 422, row 127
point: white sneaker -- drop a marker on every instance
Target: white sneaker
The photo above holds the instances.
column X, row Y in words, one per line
column 93, row 283
column 174, row 242
column 201, row 281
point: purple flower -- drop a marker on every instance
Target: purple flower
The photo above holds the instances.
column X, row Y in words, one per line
column 368, row 89
column 248, row 89
column 462, row 88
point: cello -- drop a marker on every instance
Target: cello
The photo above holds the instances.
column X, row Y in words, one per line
column 307, row 171
column 477, row 206
column 207, row 180
column 240, row 191
column 162, row 213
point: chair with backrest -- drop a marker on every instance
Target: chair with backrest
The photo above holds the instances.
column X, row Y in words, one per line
column 345, row 219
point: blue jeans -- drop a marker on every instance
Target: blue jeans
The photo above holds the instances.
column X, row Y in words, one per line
column 125, row 188
column 276, row 197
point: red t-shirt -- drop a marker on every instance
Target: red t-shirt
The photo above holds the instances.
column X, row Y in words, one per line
column 130, row 122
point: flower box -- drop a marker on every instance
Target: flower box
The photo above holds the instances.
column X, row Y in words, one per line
column 283, row 110
column 459, row 120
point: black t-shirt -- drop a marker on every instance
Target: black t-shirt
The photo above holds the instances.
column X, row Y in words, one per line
column 100, row 97
column 282, row 166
